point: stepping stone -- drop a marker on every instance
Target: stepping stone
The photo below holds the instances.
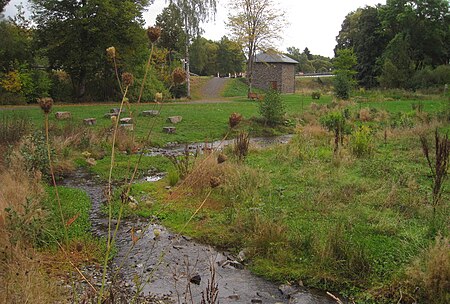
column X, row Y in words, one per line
column 175, row 119
column 90, row 121
column 150, row 113
column 117, row 110
column 63, row 115
column 126, row 120
column 109, row 115
column 169, row 130
column 129, row 127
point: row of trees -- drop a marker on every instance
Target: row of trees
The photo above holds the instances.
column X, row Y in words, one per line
column 309, row 63
column 403, row 44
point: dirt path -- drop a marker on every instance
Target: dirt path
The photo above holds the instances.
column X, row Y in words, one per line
column 213, row 88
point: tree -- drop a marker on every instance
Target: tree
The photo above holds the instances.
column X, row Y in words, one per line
column 203, row 56
column 75, row 35
column 230, row 57
column 344, row 64
column 3, row 4
column 398, row 66
column 308, row 54
column 172, row 34
column 256, row 25
column 193, row 12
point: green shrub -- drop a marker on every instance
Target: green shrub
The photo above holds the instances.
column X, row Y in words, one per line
column 34, row 152
column 173, row 177
column 342, row 86
column 272, row 108
column 315, row 95
column 336, row 123
column 361, row 142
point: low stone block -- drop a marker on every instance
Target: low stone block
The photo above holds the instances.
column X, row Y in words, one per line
column 89, row 121
column 150, row 113
column 126, row 120
column 129, row 127
column 169, row 130
column 117, row 110
column 175, row 119
column 109, row 115
column 63, row 115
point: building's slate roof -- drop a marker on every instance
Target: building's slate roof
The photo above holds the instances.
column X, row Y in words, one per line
column 274, row 58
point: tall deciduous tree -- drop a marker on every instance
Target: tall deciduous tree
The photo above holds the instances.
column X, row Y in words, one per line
column 172, row 34
column 193, row 12
column 3, row 3
column 256, row 25
column 76, row 34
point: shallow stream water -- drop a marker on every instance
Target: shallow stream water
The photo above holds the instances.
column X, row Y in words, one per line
column 175, row 267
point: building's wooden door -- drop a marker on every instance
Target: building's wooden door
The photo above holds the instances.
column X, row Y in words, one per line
column 274, row 85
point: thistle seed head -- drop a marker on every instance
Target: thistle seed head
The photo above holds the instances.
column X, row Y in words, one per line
column 178, row 76
column 214, row 182
column 111, row 52
column 46, row 104
column 153, row 33
column 127, row 79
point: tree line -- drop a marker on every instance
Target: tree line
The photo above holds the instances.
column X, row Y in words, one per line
column 402, row 44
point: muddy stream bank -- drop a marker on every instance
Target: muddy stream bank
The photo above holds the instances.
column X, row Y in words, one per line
column 175, row 267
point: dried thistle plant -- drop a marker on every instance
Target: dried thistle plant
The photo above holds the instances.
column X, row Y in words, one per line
column 127, row 80
column 111, row 52
column 178, row 76
column 46, row 104
column 153, row 33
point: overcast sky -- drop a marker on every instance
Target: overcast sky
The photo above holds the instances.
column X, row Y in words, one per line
column 312, row 24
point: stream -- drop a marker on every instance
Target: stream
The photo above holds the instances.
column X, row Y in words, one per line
column 164, row 265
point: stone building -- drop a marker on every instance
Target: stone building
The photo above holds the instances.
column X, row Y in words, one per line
column 274, row 71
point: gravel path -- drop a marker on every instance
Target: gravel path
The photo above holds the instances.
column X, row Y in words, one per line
column 213, row 88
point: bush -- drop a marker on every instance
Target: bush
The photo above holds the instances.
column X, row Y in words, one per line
column 342, row 86
column 315, row 95
column 272, row 108
column 361, row 142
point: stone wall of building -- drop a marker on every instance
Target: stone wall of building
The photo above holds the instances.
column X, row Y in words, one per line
column 266, row 75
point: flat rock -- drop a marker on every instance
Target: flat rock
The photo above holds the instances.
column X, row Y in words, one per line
column 109, row 115
column 89, row 121
column 174, row 119
column 129, row 127
column 287, row 290
column 63, row 115
column 126, row 120
column 117, row 110
column 169, row 130
column 150, row 113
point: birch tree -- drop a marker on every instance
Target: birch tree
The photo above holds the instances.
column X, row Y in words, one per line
column 256, row 25
column 193, row 12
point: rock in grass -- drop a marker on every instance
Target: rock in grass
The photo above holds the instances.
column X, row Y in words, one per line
column 89, row 121
column 126, row 120
column 174, row 119
column 109, row 115
column 150, row 113
column 63, row 115
column 169, row 130
column 129, row 127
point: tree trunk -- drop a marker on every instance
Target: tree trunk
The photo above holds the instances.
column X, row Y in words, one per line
column 188, row 74
column 250, row 70
column 79, row 84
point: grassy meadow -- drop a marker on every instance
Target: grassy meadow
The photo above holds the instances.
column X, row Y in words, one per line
column 358, row 221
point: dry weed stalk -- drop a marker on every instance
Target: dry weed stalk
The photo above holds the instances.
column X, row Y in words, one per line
column 241, row 145
column 438, row 166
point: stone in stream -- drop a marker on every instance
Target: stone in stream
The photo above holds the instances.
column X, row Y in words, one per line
column 89, row 121
column 63, row 115
column 174, row 119
column 287, row 290
column 196, row 279
column 234, row 297
column 169, row 130
column 256, row 301
column 150, row 113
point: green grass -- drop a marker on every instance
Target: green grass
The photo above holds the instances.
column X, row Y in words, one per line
column 74, row 203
